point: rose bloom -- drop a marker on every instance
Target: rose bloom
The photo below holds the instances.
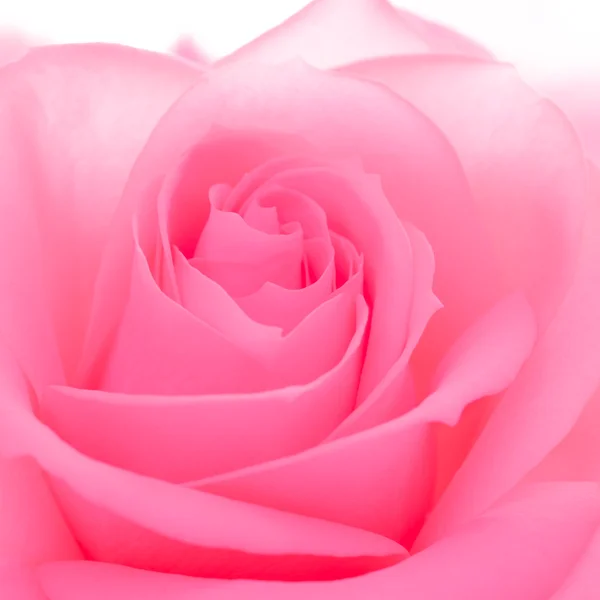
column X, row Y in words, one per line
column 320, row 320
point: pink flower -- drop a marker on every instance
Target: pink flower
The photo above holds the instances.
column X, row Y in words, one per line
column 319, row 320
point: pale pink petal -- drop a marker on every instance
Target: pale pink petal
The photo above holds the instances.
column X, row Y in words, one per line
column 187, row 48
column 202, row 436
column 329, row 33
column 72, row 125
column 391, row 464
column 579, row 97
column 13, row 47
column 521, row 550
column 533, row 416
column 523, row 159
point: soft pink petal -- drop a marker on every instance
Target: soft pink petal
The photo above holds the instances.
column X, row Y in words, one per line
column 533, row 416
column 115, row 513
column 329, row 33
column 391, row 464
column 20, row 583
column 521, row 550
column 583, row 582
column 389, row 399
column 274, row 99
column 187, row 48
column 32, row 530
column 161, row 348
column 202, row 436
column 523, row 160
column 579, row 97
column 73, row 119
column 13, row 47
column 241, row 258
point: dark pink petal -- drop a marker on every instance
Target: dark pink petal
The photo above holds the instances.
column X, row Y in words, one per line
column 522, row 549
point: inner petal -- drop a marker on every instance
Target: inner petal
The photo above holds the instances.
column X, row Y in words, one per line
column 241, row 258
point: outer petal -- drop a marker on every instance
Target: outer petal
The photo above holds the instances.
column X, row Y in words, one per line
column 579, row 97
column 72, row 121
column 523, row 160
column 533, row 417
column 114, row 513
column 12, row 48
column 522, row 550
column 329, row 33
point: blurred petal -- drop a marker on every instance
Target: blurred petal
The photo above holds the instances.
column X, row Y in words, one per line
column 577, row 94
column 583, row 582
column 187, row 48
column 330, row 33
column 20, row 583
column 13, row 47
column 523, row 160
column 72, row 121
column 522, row 549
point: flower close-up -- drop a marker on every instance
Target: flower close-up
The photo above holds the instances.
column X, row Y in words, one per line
column 318, row 319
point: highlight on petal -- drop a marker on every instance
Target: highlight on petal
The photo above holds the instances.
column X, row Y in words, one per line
column 187, row 48
column 578, row 96
column 522, row 549
column 73, row 120
column 13, row 47
column 523, row 160
column 330, row 33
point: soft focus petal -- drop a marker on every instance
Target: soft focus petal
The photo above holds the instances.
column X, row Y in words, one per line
column 20, row 583
column 522, row 157
column 12, row 47
column 329, row 33
column 72, row 121
column 583, row 582
column 522, row 550
column 579, row 98
column 543, row 404
column 187, row 48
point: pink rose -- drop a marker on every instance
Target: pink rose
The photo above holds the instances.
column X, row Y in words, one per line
column 282, row 329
